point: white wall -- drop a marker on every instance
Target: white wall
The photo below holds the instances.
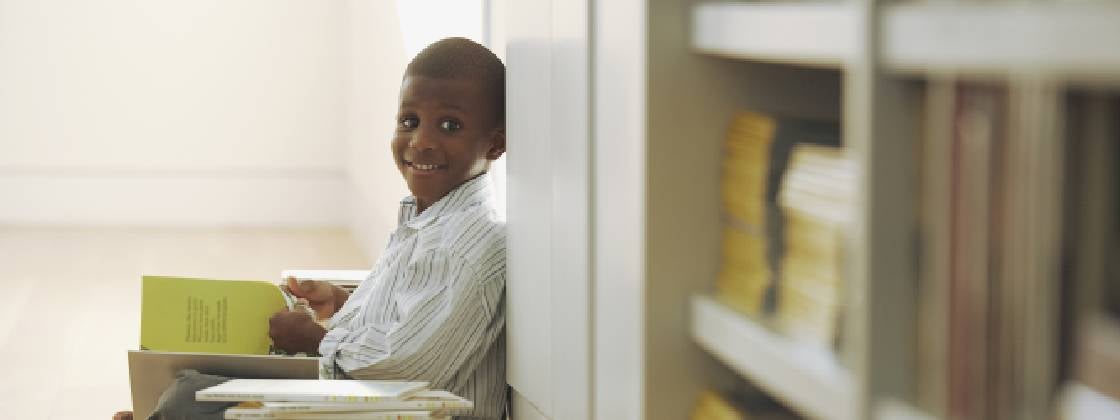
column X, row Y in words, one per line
column 376, row 60
column 164, row 112
column 209, row 112
column 549, row 164
column 381, row 37
column 619, row 133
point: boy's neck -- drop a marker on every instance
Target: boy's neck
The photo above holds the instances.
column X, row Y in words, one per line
column 421, row 205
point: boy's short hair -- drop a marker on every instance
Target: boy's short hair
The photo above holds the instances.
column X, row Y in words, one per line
column 461, row 58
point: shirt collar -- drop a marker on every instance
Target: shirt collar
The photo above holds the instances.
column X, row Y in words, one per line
column 474, row 191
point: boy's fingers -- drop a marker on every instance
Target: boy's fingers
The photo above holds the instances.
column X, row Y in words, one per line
column 294, row 287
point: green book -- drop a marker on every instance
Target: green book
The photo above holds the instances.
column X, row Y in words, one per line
column 208, row 316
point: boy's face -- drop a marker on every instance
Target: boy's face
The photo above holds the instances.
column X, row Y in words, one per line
column 447, row 133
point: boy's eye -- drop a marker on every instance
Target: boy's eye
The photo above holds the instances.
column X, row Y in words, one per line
column 409, row 122
column 450, row 126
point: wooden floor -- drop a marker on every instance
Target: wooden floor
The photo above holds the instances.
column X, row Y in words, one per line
column 70, row 302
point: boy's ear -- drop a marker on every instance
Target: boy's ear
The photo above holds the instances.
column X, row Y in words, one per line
column 497, row 144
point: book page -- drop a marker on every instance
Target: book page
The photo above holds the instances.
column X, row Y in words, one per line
column 207, row 316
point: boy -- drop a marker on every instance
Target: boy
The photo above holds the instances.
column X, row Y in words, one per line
column 433, row 306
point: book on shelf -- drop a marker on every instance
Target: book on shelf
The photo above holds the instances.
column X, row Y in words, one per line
column 715, row 405
column 756, row 151
column 977, row 134
column 1091, row 381
column 193, row 315
column 1018, row 221
column 745, row 272
column 817, row 198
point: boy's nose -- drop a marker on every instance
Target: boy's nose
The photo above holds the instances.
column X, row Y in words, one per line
column 423, row 138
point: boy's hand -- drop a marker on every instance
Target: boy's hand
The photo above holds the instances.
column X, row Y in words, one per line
column 323, row 297
column 295, row 332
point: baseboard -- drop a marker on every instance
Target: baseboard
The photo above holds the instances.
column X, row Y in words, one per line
column 282, row 198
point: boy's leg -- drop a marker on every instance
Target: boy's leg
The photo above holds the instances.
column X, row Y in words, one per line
column 177, row 402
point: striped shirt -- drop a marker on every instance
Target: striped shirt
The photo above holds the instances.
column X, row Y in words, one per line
column 433, row 307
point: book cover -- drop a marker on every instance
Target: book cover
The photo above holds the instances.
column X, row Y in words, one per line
column 310, row 390
column 207, row 316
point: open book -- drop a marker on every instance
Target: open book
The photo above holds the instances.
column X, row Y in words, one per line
column 208, row 316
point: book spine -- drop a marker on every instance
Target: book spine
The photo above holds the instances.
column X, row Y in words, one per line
column 387, row 406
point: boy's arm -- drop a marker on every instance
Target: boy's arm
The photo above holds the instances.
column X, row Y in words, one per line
column 442, row 329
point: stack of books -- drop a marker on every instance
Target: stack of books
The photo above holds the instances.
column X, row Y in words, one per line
column 334, row 399
column 817, row 199
column 756, row 165
column 745, row 272
column 715, row 405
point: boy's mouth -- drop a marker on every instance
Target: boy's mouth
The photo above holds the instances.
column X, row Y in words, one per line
column 424, row 167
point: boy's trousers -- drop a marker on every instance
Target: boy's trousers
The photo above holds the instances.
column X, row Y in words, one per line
column 177, row 402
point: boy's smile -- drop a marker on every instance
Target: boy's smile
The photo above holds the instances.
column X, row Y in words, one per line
column 447, row 133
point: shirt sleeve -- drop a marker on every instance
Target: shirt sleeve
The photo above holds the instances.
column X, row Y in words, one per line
column 442, row 329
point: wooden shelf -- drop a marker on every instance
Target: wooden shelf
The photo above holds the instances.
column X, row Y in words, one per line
column 808, row 379
column 1071, row 40
column 810, row 34
column 1083, row 403
column 1075, row 40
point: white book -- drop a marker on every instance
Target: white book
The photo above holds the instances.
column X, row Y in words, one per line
column 315, row 390
column 368, row 415
column 243, row 413
column 433, row 400
column 238, row 413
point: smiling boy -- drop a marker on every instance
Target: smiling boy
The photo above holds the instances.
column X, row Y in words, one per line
column 433, row 306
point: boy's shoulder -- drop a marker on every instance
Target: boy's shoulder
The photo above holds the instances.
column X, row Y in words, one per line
column 474, row 233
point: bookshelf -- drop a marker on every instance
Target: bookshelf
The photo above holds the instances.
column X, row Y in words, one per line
column 893, row 57
column 620, row 109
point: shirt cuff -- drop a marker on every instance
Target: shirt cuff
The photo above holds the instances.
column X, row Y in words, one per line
column 328, row 349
